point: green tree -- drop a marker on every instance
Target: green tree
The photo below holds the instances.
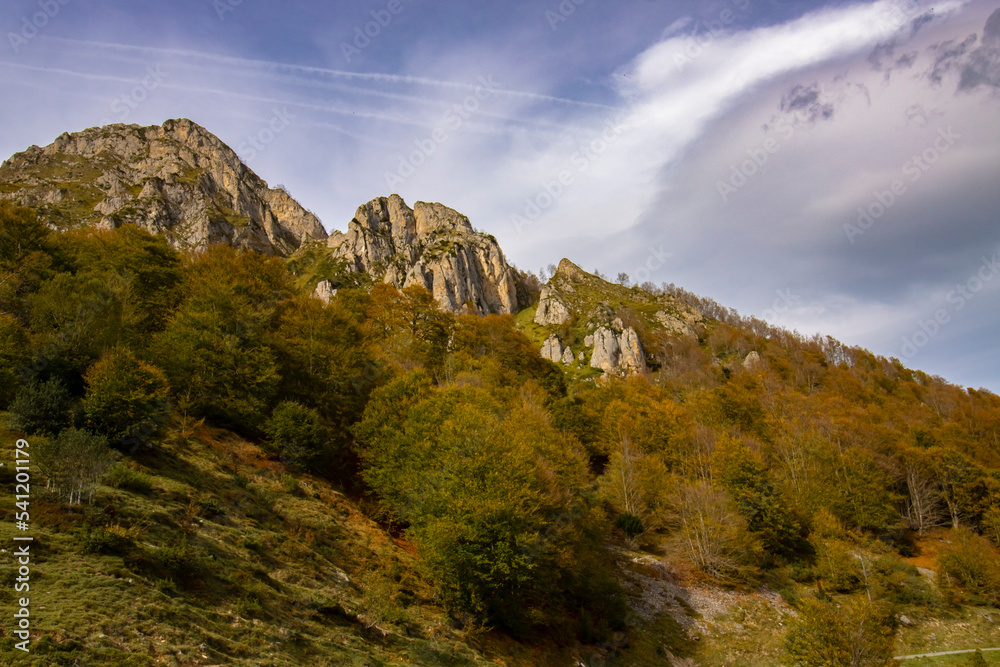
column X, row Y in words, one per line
column 743, row 475
column 27, row 255
column 77, row 317
column 494, row 498
column 857, row 633
column 295, row 434
column 13, row 361
column 126, row 399
column 40, row 407
column 324, row 362
column 146, row 262
column 216, row 345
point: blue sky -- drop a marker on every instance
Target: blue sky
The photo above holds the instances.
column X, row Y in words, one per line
column 832, row 167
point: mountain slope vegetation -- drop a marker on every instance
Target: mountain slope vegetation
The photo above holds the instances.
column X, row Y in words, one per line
column 230, row 470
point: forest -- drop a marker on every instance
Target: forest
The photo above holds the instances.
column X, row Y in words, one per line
column 812, row 468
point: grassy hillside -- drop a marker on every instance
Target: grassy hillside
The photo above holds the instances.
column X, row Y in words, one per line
column 206, row 553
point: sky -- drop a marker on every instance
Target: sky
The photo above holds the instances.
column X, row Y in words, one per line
column 831, row 167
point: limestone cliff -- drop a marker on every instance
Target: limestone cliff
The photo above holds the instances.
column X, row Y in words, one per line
column 429, row 245
column 578, row 307
column 176, row 178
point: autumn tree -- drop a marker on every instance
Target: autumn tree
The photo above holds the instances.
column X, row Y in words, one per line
column 711, row 534
column 126, row 399
column 855, row 633
column 74, row 461
column 493, row 496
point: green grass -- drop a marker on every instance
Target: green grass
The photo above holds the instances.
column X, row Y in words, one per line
column 951, row 630
column 222, row 557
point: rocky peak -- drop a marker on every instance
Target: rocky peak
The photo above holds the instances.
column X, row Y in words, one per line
column 176, row 178
column 578, row 306
column 568, row 271
column 429, row 245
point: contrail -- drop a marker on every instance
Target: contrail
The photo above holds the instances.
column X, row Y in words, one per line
column 306, row 69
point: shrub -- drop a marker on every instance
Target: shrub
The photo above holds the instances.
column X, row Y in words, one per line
column 126, row 399
column 41, row 408
column 295, row 434
column 858, row 633
column 120, row 476
column 970, row 563
column 114, row 540
column 630, row 524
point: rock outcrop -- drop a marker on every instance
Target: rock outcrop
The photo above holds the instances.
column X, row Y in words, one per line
column 617, row 350
column 432, row 246
column 324, row 291
column 178, row 179
column 551, row 310
column 552, row 349
column 594, row 309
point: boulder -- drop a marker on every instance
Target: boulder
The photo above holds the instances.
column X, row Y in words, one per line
column 552, row 349
column 551, row 310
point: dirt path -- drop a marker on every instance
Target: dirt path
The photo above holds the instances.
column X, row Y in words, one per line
column 934, row 655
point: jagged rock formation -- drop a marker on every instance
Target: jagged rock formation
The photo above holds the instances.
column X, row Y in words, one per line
column 178, row 179
column 432, row 246
column 552, row 349
column 324, row 291
column 567, row 356
column 595, row 308
column 551, row 311
column 617, row 350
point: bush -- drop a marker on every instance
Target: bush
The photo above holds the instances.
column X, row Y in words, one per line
column 122, row 477
column 858, row 633
column 630, row 524
column 295, row 434
column 115, row 540
column 126, row 399
column 970, row 563
column 40, row 408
